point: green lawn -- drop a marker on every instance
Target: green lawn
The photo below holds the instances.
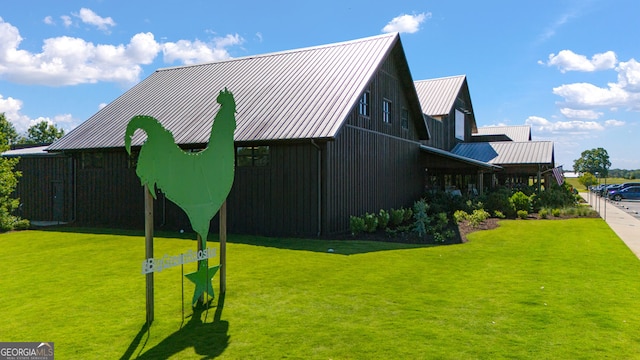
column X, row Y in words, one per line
column 576, row 184
column 547, row 289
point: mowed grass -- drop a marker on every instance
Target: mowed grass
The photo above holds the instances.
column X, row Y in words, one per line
column 554, row 289
column 576, row 184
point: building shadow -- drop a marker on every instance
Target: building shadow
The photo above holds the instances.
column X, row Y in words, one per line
column 208, row 339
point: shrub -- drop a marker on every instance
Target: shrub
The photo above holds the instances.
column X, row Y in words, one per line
column 520, row 202
column 356, row 224
column 543, row 213
column 370, row 222
column 498, row 214
column 383, row 219
column 477, row 217
column 460, row 216
column 420, row 217
column 555, row 212
column 498, row 200
column 522, row 214
column 396, row 216
column 408, row 214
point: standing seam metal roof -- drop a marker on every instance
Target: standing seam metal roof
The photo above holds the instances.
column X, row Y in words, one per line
column 507, row 152
column 437, row 96
column 296, row 94
column 515, row 133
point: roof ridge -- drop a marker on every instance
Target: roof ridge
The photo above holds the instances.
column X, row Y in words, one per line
column 284, row 52
column 442, row 78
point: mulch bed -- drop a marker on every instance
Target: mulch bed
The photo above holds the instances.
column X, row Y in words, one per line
column 461, row 231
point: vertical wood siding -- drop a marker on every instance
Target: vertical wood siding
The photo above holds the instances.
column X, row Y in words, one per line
column 35, row 187
column 373, row 165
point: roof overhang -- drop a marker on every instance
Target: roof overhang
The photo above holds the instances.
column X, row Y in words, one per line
column 459, row 159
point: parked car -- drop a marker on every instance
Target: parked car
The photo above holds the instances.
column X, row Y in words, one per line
column 631, row 193
column 626, row 185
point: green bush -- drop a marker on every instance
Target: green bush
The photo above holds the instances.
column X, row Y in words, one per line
column 477, row 217
column 520, row 202
column 555, row 212
column 383, row 219
column 522, row 214
column 370, row 222
column 408, row 214
column 22, row 224
column 544, row 213
column 498, row 214
column 420, row 217
column 397, row 216
column 498, row 200
column 460, row 216
column 356, row 224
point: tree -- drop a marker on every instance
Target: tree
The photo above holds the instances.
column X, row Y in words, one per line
column 595, row 161
column 587, row 179
column 8, row 131
column 43, row 133
column 8, row 180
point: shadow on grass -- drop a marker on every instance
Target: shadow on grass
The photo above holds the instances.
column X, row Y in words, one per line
column 340, row 247
column 209, row 340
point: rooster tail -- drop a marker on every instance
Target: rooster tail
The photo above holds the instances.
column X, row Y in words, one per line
column 147, row 123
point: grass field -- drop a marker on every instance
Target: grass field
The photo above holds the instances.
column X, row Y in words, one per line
column 554, row 289
column 574, row 182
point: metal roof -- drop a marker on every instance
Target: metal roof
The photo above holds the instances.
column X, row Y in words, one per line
column 515, row 133
column 437, row 96
column 507, row 152
column 457, row 157
column 296, row 94
column 28, row 152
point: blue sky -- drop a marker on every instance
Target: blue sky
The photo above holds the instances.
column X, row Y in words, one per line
column 567, row 68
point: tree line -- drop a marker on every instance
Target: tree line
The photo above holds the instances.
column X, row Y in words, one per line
column 40, row 133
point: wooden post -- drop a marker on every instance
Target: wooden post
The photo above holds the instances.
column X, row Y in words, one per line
column 148, row 237
column 223, row 247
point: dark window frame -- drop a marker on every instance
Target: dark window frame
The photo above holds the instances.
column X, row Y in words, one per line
column 253, row 156
column 364, row 105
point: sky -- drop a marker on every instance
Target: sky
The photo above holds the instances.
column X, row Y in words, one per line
column 567, row 68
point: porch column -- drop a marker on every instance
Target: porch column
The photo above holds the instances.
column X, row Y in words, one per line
column 481, row 182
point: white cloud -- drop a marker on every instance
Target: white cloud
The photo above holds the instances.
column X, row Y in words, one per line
column 12, row 109
column 586, row 95
column 406, row 23
column 613, row 122
column 48, row 20
column 629, row 75
column 87, row 16
column 66, row 20
column 193, row 52
column 70, row 61
column 580, row 114
column 567, row 60
column 539, row 124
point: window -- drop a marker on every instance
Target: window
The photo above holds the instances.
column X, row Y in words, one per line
column 252, row 156
column 93, row 160
column 363, row 106
column 386, row 111
column 459, row 125
column 404, row 118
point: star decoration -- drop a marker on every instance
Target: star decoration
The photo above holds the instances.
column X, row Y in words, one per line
column 202, row 279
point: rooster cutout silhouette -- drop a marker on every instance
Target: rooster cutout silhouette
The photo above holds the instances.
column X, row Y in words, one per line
column 198, row 182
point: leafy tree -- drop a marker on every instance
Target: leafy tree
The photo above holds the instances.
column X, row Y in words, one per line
column 8, row 181
column 43, row 133
column 587, row 179
column 593, row 161
column 8, row 131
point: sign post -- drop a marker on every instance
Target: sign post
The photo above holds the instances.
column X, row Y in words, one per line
column 223, row 247
column 148, row 237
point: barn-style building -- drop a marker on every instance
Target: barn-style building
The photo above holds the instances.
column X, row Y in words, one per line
column 322, row 133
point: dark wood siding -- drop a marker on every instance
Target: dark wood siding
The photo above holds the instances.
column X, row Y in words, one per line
column 372, row 165
column 279, row 199
column 41, row 176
